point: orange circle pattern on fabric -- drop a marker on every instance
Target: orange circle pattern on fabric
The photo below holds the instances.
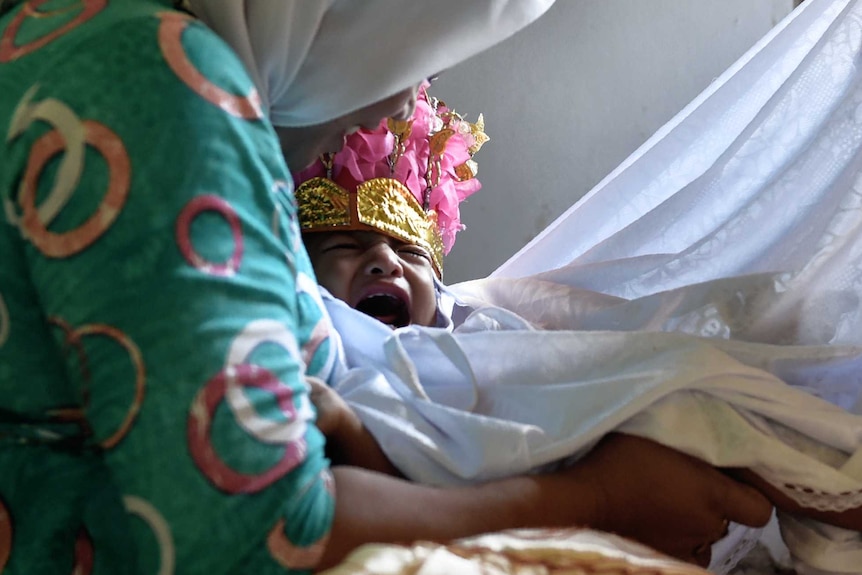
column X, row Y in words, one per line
column 73, row 338
column 61, row 245
column 170, row 41
column 74, row 182
column 9, row 51
column 291, row 556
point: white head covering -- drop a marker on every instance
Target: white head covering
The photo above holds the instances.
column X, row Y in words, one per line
column 316, row 60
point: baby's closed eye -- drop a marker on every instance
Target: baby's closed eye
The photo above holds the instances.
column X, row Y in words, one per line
column 341, row 246
column 414, row 252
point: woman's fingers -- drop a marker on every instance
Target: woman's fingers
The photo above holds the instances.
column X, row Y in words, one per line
column 848, row 519
column 666, row 499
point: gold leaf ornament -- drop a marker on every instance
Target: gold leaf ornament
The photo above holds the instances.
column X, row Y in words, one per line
column 439, row 140
column 479, row 135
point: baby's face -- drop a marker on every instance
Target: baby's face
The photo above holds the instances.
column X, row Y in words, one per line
column 381, row 276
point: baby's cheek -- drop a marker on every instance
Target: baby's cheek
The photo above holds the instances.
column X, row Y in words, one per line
column 425, row 312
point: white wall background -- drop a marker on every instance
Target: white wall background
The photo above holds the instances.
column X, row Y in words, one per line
column 569, row 98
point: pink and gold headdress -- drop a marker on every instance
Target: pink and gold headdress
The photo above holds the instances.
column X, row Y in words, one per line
column 405, row 179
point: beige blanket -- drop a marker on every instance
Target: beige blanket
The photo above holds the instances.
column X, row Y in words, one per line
column 518, row 552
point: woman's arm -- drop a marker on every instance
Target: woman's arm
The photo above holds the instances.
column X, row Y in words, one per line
column 177, row 293
column 626, row 485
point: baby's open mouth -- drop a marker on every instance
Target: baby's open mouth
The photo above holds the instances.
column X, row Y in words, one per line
column 387, row 308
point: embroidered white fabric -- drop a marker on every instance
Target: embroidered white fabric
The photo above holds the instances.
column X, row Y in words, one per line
column 728, row 552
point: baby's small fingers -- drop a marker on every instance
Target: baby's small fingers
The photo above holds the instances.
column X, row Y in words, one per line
column 317, row 385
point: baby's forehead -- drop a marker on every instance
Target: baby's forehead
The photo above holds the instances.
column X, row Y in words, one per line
column 361, row 236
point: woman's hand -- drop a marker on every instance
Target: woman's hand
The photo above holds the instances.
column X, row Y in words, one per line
column 348, row 442
column 630, row 486
column 663, row 498
column 848, row 519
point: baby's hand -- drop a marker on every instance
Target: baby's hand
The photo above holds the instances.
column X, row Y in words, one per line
column 348, row 442
column 334, row 416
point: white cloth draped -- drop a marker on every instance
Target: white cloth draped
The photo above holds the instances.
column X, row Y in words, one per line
column 315, row 60
column 759, row 175
column 706, row 294
column 495, row 397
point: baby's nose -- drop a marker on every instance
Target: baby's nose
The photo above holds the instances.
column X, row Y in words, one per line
column 383, row 260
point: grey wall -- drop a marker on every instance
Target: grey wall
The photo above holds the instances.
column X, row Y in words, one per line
column 569, row 98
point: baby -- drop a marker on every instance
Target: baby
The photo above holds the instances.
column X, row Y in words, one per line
column 378, row 216
column 466, row 403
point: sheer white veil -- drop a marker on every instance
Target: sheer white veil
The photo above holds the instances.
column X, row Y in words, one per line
column 760, row 173
column 740, row 222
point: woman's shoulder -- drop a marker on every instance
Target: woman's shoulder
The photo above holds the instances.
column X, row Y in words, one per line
column 136, row 63
column 122, row 37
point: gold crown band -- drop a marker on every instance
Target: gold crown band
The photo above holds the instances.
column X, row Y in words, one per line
column 382, row 205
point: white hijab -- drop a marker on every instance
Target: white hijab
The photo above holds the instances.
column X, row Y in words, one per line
column 316, row 60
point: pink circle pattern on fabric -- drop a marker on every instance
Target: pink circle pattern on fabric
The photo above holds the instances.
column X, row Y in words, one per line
column 66, row 244
column 170, row 41
column 84, row 554
column 9, row 51
column 61, row 245
column 5, row 322
column 321, row 332
column 183, row 231
column 5, row 535
column 200, row 422
column 289, row 232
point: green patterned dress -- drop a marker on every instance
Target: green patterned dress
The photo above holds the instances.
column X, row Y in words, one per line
column 158, row 313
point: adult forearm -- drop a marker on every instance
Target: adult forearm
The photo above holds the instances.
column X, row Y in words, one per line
column 371, row 507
